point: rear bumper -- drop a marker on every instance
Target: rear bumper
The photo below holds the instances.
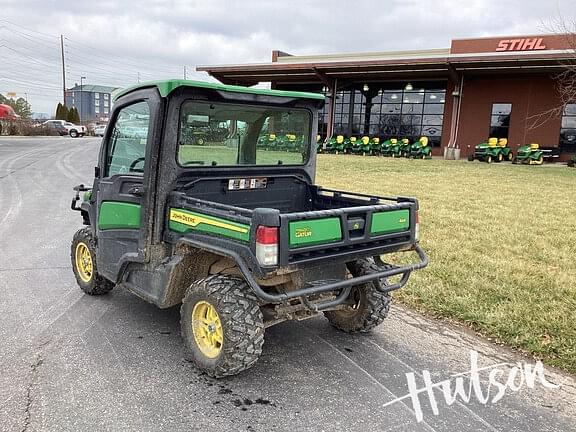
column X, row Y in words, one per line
column 343, row 287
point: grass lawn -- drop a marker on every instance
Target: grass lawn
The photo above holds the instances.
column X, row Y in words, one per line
column 501, row 240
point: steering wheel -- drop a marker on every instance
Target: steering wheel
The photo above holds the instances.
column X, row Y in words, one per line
column 132, row 167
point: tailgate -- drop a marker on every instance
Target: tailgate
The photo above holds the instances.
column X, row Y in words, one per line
column 364, row 225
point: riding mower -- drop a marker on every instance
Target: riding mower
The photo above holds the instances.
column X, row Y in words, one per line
column 488, row 151
column 375, row 146
column 421, row 149
column 337, row 145
column 572, row 162
column 362, row 146
column 387, row 146
column 319, row 148
column 505, row 150
column 405, row 147
column 529, row 154
column 267, row 142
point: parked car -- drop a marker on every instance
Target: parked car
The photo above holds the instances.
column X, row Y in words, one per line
column 73, row 130
column 59, row 128
column 99, row 130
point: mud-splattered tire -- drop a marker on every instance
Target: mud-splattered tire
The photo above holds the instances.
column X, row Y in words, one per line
column 370, row 305
column 83, row 250
column 241, row 321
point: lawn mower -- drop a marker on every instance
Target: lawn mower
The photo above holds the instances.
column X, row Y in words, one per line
column 529, row 154
column 572, row 161
column 421, row 149
column 267, row 142
column 375, row 150
column 505, row 150
column 387, row 146
column 362, row 146
column 488, row 151
column 319, row 146
column 404, row 147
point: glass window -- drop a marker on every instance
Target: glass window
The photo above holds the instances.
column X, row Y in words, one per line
column 500, row 120
column 568, row 129
column 126, row 147
column 106, row 104
column 96, row 95
column 97, row 109
column 106, row 96
column 223, row 134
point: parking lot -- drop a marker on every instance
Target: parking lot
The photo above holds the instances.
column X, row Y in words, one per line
column 73, row 362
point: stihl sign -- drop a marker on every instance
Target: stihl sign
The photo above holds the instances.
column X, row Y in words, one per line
column 527, row 44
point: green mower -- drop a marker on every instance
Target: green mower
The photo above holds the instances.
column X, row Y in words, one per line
column 495, row 150
column 387, row 146
column 362, row 146
column 319, row 146
column 529, row 154
column 421, row 149
column 405, row 148
column 336, row 145
column 572, row 161
column 268, row 142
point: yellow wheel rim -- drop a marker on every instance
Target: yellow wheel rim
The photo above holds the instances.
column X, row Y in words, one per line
column 207, row 329
column 84, row 263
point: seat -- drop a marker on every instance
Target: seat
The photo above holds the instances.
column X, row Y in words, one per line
column 534, row 146
column 424, row 141
column 503, row 142
column 492, row 142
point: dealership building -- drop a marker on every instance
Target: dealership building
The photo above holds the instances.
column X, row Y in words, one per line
column 458, row 97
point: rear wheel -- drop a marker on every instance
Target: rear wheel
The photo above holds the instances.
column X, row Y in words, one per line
column 222, row 325
column 510, row 156
column 500, row 157
column 367, row 307
column 83, row 255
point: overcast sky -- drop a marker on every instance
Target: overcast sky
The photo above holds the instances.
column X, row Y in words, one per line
column 114, row 42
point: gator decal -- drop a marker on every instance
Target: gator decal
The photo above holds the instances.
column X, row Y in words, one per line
column 183, row 221
column 390, row 222
column 118, row 215
column 315, row 231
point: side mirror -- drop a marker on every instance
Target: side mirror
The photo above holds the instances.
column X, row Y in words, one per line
column 96, row 171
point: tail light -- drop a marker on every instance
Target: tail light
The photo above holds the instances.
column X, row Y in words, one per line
column 417, row 226
column 267, row 245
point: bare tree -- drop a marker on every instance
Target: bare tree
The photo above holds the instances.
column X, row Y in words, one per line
column 565, row 80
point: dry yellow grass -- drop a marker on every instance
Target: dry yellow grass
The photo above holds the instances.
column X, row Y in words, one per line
column 501, row 240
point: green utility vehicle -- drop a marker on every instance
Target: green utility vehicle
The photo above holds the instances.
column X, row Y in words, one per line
column 494, row 150
column 530, row 154
column 241, row 237
column 421, row 149
column 404, row 148
column 362, row 146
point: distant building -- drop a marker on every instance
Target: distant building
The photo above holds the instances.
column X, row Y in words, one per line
column 93, row 102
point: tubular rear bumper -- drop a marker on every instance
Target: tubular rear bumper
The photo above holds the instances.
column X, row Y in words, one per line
column 344, row 286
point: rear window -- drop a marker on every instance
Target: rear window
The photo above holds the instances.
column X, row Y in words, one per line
column 224, row 134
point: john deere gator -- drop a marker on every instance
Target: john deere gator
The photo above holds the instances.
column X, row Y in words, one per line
column 240, row 237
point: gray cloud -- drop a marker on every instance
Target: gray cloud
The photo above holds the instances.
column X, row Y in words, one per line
column 110, row 42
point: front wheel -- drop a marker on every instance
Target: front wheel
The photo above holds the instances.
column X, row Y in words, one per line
column 366, row 306
column 222, row 325
column 74, row 133
column 83, row 255
column 489, row 159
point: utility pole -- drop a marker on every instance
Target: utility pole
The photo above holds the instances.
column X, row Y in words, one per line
column 63, row 71
column 184, row 71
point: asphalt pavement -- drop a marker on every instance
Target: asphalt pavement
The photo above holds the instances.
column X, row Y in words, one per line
column 71, row 362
